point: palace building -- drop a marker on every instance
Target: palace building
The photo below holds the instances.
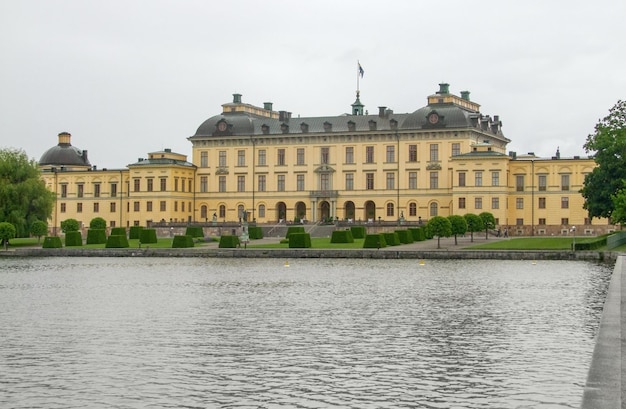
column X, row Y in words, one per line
column 254, row 163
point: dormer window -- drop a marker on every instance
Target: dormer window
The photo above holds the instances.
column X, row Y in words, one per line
column 328, row 126
column 304, row 127
column 351, row 126
column 394, row 124
column 372, row 125
column 284, row 128
column 265, row 129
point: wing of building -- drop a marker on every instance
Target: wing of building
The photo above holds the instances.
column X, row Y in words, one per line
column 267, row 166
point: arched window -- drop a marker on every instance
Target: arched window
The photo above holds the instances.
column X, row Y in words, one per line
column 222, row 211
column 261, row 210
column 433, row 209
column 412, row 209
column 203, row 212
column 390, row 209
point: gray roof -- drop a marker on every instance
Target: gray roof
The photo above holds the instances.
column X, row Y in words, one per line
column 162, row 162
column 64, row 154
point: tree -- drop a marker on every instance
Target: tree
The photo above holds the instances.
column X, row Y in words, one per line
column 23, row 195
column 609, row 144
column 459, row 226
column 70, row 225
column 474, row 223
column 7, row 232
column 489, row 222
column 439, row 226
column 98, row 223
column 38, row 229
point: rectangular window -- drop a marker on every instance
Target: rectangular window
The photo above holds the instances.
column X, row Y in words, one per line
column 412, row 153
column 478, row 203
column 241, row 157
column 175, row 206
column 112, row 207
column 79, row 207
column 262, row 211
column 190, row 185
column 369, row 181
column 175, row 184
column 519, row 183
column 163, row 182
column 391, row 153
column 81, row 190
column 261, row 183
column 163, row 205
column 300, row 156
column 519, row 203
column 542, row 221
column 461, row 203
column 280, row 183
column 434, row 180
column 349, row 181
column 182, row 206
column 456, row 149
column 64, row 190
column 543, row 182
column 324, row 181
column 96, row 207
column 136, row 206
column 542, row 203
column 222, row 184
column 564, row 182
column 62, row 207
column 113, row 187
column 96, row 190
column 324, row 155
column 241, row 183
column 150, row 186
column 222, row 159
column 369, row 154
column 412, row 180
column 300, row 183
column 204, row 159
column 495, row 178
column 262, row 157
column 565, row 203
column 495, row 202
column 461, row 179
column 349, row 154
column 390, row 209
column 564, row 221
column 478, row 178
column 204, row 184
column 149, row 206
column 182, row 184
column 280, row 160
column 136, row 184
column 391, row 181
column 434, row 152
column 519, row 222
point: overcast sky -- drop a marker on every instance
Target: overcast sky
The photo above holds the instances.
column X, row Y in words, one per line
column 130, row 77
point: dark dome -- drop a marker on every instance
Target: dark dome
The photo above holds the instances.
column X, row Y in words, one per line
column 452, row 117
column 64, row 154
column 240, row 124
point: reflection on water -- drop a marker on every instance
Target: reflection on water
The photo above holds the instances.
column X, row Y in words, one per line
column 232, row 333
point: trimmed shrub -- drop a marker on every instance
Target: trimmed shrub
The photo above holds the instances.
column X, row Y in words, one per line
column 118, row 231
column 117, row 241
column 392, row 239
column 98, row 223
column 255, row 232
column 96, row 236
column 374, row 241
column 358, row 232
column 135, row 232
column 417, row 233
column 182, row 242
column 342, row 236
column 299, row 241
column 194, row 231
column 294, row 229
column 405, row 236
column 52, row 242
column 73, row 239
column 229, row 242
column 147, row 236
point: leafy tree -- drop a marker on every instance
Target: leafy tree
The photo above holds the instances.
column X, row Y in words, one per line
column 23, row 195
column 474, row 223
column 439, row 226
column 459, row 226
column 38, row 229
column 70, row 225
column 98, row 223
column 609, row 144
column 618, row 216
column 489, row 222
column 7, row 232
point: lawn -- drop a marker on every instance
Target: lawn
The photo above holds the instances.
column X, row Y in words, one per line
column 531, row 243
column 162, row 243
column 316, row 243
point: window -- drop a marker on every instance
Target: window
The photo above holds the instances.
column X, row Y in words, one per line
column 262, row 157
column 564, row 182
column 163, row 205
column 434, row 152
column 369, row 181
column 461, row 179
column 369, row 154
column 261, row 183
column 542, row 203
column 565, row 203
column 222, row 211
column 519, row 183
column 175, row 206
column 113, row 187
column 112, row 207
column 222, row 159
column 79, row 207
column 280, row 183
column 63, row 190
column 456, row 149
column 241, row 157
column 96, row 207
column 478, row 178
column 412, row 209
column 182, row 206
column 434, row 180
column 182, row 184
column 149, row 206
column 136, row 206
column 300, row 156
column 150, row 186
column 62, row 207
column 478, row 203
column 390, row 209
column 204, row 212
column 81, row 190
column 542, row 181
column 412, row 180
column 519, row 203
column 261, row 210
column 519, row 222
column 204, row 159
column 300, row 183
column 136, row 184
column 564, row 221
column 349, row 181
column 241, row 183
column 433, row 209
column 391, row 181
column 495, row 202
column 204, row 184
column 96, row 190
column 461, row 203
column 495, row 178
column 190, row 185
column 542, row 221
column 324, row 153
column 349, row 154
column 324, row 181
column 280, row 160
column 412, row 153
column 163, row 182
column 391, row 153
column 222, row 184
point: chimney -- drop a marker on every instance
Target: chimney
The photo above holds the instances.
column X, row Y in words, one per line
column 465, row 95
column 64, row 138
column 237, row 98
column 282, row 115
column 267, row 106
column 444, row 88
column 381, row 111
column 85, row 156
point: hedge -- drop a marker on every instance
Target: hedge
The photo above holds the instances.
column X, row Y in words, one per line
column 417, row 233
column 358, row 232
column 255, row 232
column 52, row 242
column 182, row 242
column 73, row 239
column 96, row 236
column 405, row 236
column 147, row 236
column 299, row 240
column 194, row 231
column 294, row 229
column 135, row 232
column 117, row 241
column 118, row 231
column 229, row 242
column 392, row 239
column 342, row 236
column 374, row 241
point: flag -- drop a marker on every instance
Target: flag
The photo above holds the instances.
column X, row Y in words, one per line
column 361, row 71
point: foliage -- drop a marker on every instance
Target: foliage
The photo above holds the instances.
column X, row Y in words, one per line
column 118, row 231
column 52, row 242
column 374, row 241
column 229, row 242
column 194, row 231
column 117, row 241
column 7, row 232
column 24, row 197
column 439, row 226
column 299, row 240
column 474, row 223
column 294, row 229
column 609, row 144
column 182, row 242
column 73, row 239
column 392, row 239
column 459, row 226
column 98, row 223
column 96, row 236
column 38, row 229
column 489, row 222
column 405, row 236
column 417, row 233
column 70, row 225
column 358, row 232
column 134, row 232
column 148, row 236
column 255, row 232
column 342, row 236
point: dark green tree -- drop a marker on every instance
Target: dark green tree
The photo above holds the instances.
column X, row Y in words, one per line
column 38, row 229
column 7, row 232
column 439, row 226
column 98, row 223
column 608, row 143
column 459, row 226
column 489, row 222
column 474, row 223
column 70, row 225
column 23, row 195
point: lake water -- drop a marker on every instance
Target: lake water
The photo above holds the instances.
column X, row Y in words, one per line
column 302, row 333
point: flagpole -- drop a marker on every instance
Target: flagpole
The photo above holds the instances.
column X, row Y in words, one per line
column 358, row 73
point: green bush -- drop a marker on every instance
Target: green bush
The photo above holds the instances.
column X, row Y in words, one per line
column 180, row 242
column 374, row 241
column 255, row 232
column 118, row 231
column 70, row 225
column 73, row 239
column 96, row 236
column 417, row 233
column 135, row 232
column 392, row 239
column 299, row 240
column 117, row 241
column 405, row 236
column 98, row 223
column 229, row 242
column 358, row 232
column 52, row 242
column 194, row 231
column 294, row 229
column 342, row 236
column 592, row 244
column 148, row 236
